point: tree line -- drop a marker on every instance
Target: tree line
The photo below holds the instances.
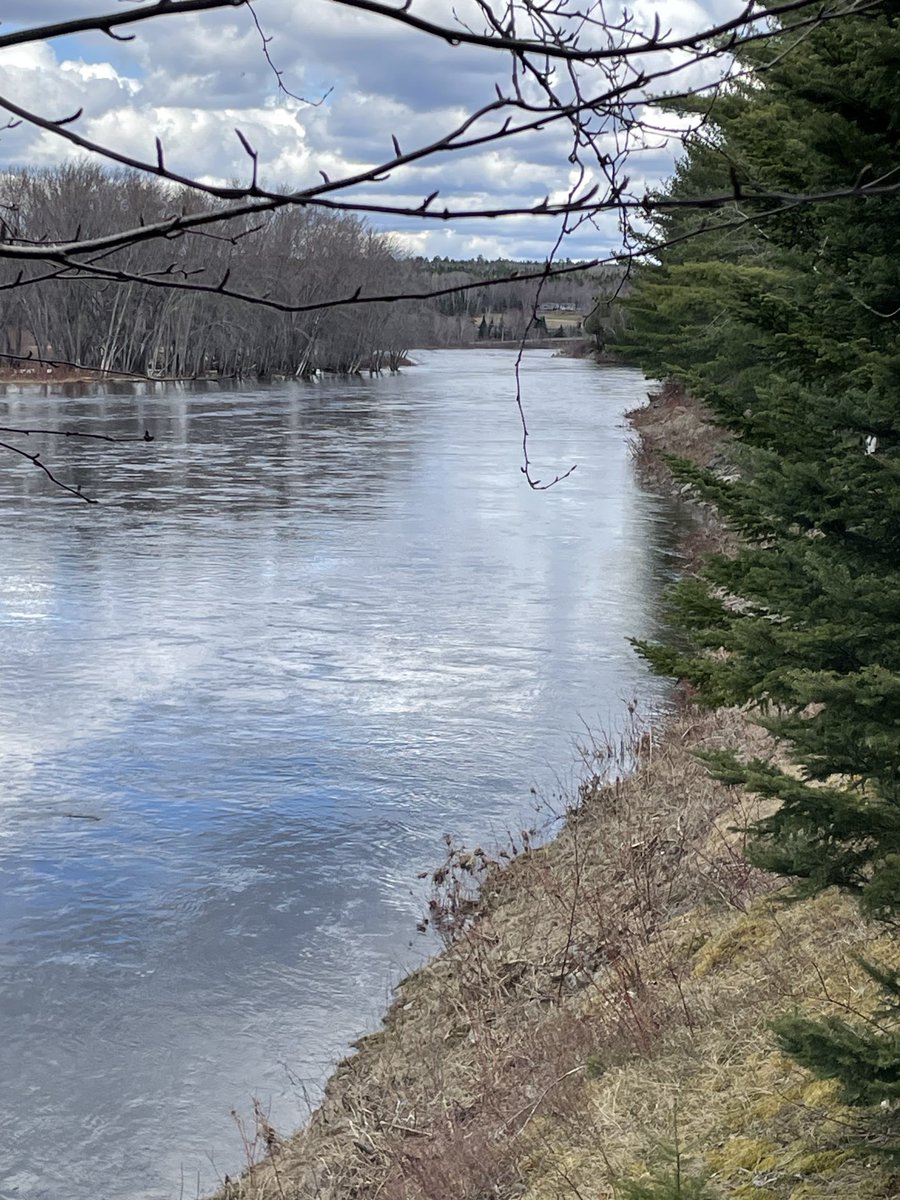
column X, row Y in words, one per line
column 151, row 326
column 519, row 301
column 299, row 256
column 789, row 331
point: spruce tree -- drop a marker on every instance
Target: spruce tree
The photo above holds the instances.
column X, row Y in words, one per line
column 788, row 330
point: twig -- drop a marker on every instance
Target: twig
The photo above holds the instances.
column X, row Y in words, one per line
column 36, row 460
column 540, row 1100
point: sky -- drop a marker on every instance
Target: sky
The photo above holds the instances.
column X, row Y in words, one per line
column 191, row 80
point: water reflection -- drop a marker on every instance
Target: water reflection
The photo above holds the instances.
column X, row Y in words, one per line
column 309, row 628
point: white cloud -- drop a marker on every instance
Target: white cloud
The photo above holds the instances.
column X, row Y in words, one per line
column 192, row 80
column 88, row 72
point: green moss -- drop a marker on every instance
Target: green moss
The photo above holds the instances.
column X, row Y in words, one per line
column 743, row 1154
column 821, row 1093
column 738, row 942
column 766, row 1107
column 821, row 1162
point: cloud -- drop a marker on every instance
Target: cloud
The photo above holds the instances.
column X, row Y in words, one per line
column 193, row 80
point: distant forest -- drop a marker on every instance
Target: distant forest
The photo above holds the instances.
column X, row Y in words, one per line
column 506, row 311
column 173, row 320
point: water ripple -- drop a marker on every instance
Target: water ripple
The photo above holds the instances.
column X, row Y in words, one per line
column 309, row 629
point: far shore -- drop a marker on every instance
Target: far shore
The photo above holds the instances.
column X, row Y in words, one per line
column 40, row 374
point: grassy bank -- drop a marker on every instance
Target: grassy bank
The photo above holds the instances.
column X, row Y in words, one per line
column 600, row 1012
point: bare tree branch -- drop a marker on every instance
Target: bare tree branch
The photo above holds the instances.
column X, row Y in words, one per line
column 35, row 460
column 598, row 85
column 108, row 22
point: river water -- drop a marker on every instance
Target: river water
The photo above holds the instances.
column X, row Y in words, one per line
column 308, row 630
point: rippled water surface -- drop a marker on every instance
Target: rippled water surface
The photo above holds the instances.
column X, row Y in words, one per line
column 309, row 629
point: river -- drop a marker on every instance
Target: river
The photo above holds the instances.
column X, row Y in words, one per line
column 307, row 630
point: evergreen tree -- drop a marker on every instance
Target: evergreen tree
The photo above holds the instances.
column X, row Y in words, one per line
column 788, row 330
column 865, row 1063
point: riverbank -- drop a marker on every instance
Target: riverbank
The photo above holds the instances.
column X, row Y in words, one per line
column 515, row 343
column 43, row 373
column 603, row 1001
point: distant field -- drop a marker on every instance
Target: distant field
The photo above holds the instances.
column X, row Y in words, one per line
column 553, row 320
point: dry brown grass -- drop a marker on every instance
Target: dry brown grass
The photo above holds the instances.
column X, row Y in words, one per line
column 672, row 422
column 624, row 970
column 39, row 373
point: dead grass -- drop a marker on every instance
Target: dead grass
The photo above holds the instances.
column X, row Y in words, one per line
column 622, row 973
column 673, row 423
column 42, row 374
